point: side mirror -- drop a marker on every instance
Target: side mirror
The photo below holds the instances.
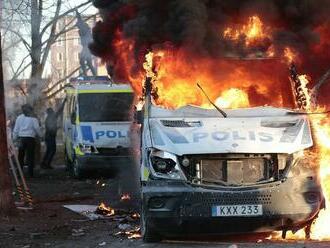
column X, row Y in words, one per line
column 73, row 117
column 138, row 117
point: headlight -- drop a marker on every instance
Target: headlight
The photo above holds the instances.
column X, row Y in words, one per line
column 162, row 165
column 87, row 149
column 165, row 165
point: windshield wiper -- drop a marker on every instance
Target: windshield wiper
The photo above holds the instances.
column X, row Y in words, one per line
column 223, row 113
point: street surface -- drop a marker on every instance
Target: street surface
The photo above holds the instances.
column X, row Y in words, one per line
column 51, row 225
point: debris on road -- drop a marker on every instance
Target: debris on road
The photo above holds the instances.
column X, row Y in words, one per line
column 128, row 222
column 78, row 232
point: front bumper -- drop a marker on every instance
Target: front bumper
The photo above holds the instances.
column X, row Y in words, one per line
column 98, row 162
column 176, row 208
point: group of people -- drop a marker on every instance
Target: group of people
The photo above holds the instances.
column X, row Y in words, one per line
column 27, row 131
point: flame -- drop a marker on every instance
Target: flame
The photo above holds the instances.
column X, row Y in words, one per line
column 125, row 197
column 304, row 81
column 176, row 78
column 233, row 98
column 107, row 211
column 290, row 55
column 253, row 34
column 253, row 30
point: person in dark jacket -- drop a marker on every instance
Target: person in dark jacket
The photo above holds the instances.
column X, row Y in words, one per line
column 50, row 136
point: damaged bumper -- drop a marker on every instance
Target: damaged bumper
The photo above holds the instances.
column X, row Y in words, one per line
column 175, row 208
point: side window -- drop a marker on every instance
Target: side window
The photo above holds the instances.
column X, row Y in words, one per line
column 68, row 106
column 73, row 104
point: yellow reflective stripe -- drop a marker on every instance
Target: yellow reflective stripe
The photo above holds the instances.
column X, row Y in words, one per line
column 70, row 91
column 146, row 174
column 104, row 91
column 78, row 151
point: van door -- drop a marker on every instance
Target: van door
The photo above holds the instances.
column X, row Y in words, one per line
column 70, row 126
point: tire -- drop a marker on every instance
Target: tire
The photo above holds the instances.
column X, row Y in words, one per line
column 67, row 161
column 148, row 235
column 77, row 172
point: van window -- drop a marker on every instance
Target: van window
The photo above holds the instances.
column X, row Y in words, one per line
column 98, row 107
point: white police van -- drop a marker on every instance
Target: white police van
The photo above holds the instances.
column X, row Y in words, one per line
column 97, row 121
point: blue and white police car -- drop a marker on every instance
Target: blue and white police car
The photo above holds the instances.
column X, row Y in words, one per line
column 97, row 122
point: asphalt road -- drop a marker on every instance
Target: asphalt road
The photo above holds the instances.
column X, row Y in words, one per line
column 51, row 225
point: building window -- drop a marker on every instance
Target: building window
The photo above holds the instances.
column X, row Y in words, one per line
column 59, row 57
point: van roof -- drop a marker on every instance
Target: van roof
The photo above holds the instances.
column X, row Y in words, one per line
column 96, row 84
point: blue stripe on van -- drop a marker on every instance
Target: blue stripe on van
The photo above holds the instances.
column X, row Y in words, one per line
column 87, row 133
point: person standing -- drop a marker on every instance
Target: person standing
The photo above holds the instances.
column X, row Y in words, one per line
column 50, row 135
column 26, row 131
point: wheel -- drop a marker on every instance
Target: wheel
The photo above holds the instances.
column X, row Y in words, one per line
column 76, row 170
column 148, row 235
column 67, row 161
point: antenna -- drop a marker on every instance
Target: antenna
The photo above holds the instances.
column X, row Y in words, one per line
column 223, row 113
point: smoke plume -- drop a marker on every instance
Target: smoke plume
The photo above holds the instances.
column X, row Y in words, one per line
column 195, row 27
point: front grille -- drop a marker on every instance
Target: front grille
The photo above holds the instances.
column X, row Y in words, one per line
column 233, row 169
column 113, row 151
column 201, row 204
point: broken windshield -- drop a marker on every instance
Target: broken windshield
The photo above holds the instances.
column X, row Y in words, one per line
column 104, row 107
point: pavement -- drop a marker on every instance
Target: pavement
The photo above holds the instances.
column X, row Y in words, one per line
column 49, row 224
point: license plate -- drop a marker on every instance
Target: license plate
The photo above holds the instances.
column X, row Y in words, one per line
column 237, row 210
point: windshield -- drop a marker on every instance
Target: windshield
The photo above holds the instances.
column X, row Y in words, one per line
column 98, row 107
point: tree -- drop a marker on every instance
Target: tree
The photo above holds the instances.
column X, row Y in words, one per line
column 44, row 32
column 6, row 199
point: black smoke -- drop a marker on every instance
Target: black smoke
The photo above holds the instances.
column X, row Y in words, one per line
column 197, row 25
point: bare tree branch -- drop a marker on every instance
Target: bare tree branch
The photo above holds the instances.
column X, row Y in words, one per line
column 59, row 82
column 18, row 71
column 51, row 39
column 20, row 36
column 65, row 29
column 63, row 15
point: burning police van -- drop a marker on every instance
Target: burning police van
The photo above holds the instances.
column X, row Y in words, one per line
column 250, row 170
column 97, row 120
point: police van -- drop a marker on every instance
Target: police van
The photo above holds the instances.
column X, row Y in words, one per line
column 247, row 170
column 97, row 120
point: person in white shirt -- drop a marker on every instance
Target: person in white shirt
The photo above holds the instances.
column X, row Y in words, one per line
column 26, row 131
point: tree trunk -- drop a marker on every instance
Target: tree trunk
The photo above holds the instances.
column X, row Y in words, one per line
column 36, row 50
column 7, row 206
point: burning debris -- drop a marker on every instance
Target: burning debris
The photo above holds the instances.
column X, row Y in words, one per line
column 128, row 220
column 102, row 209
column 125, row 197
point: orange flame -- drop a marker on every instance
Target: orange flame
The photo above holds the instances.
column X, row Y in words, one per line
column 108, row 211
column 178, row 75
column 251, row 33
column 125, row 197
column 290, row 55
